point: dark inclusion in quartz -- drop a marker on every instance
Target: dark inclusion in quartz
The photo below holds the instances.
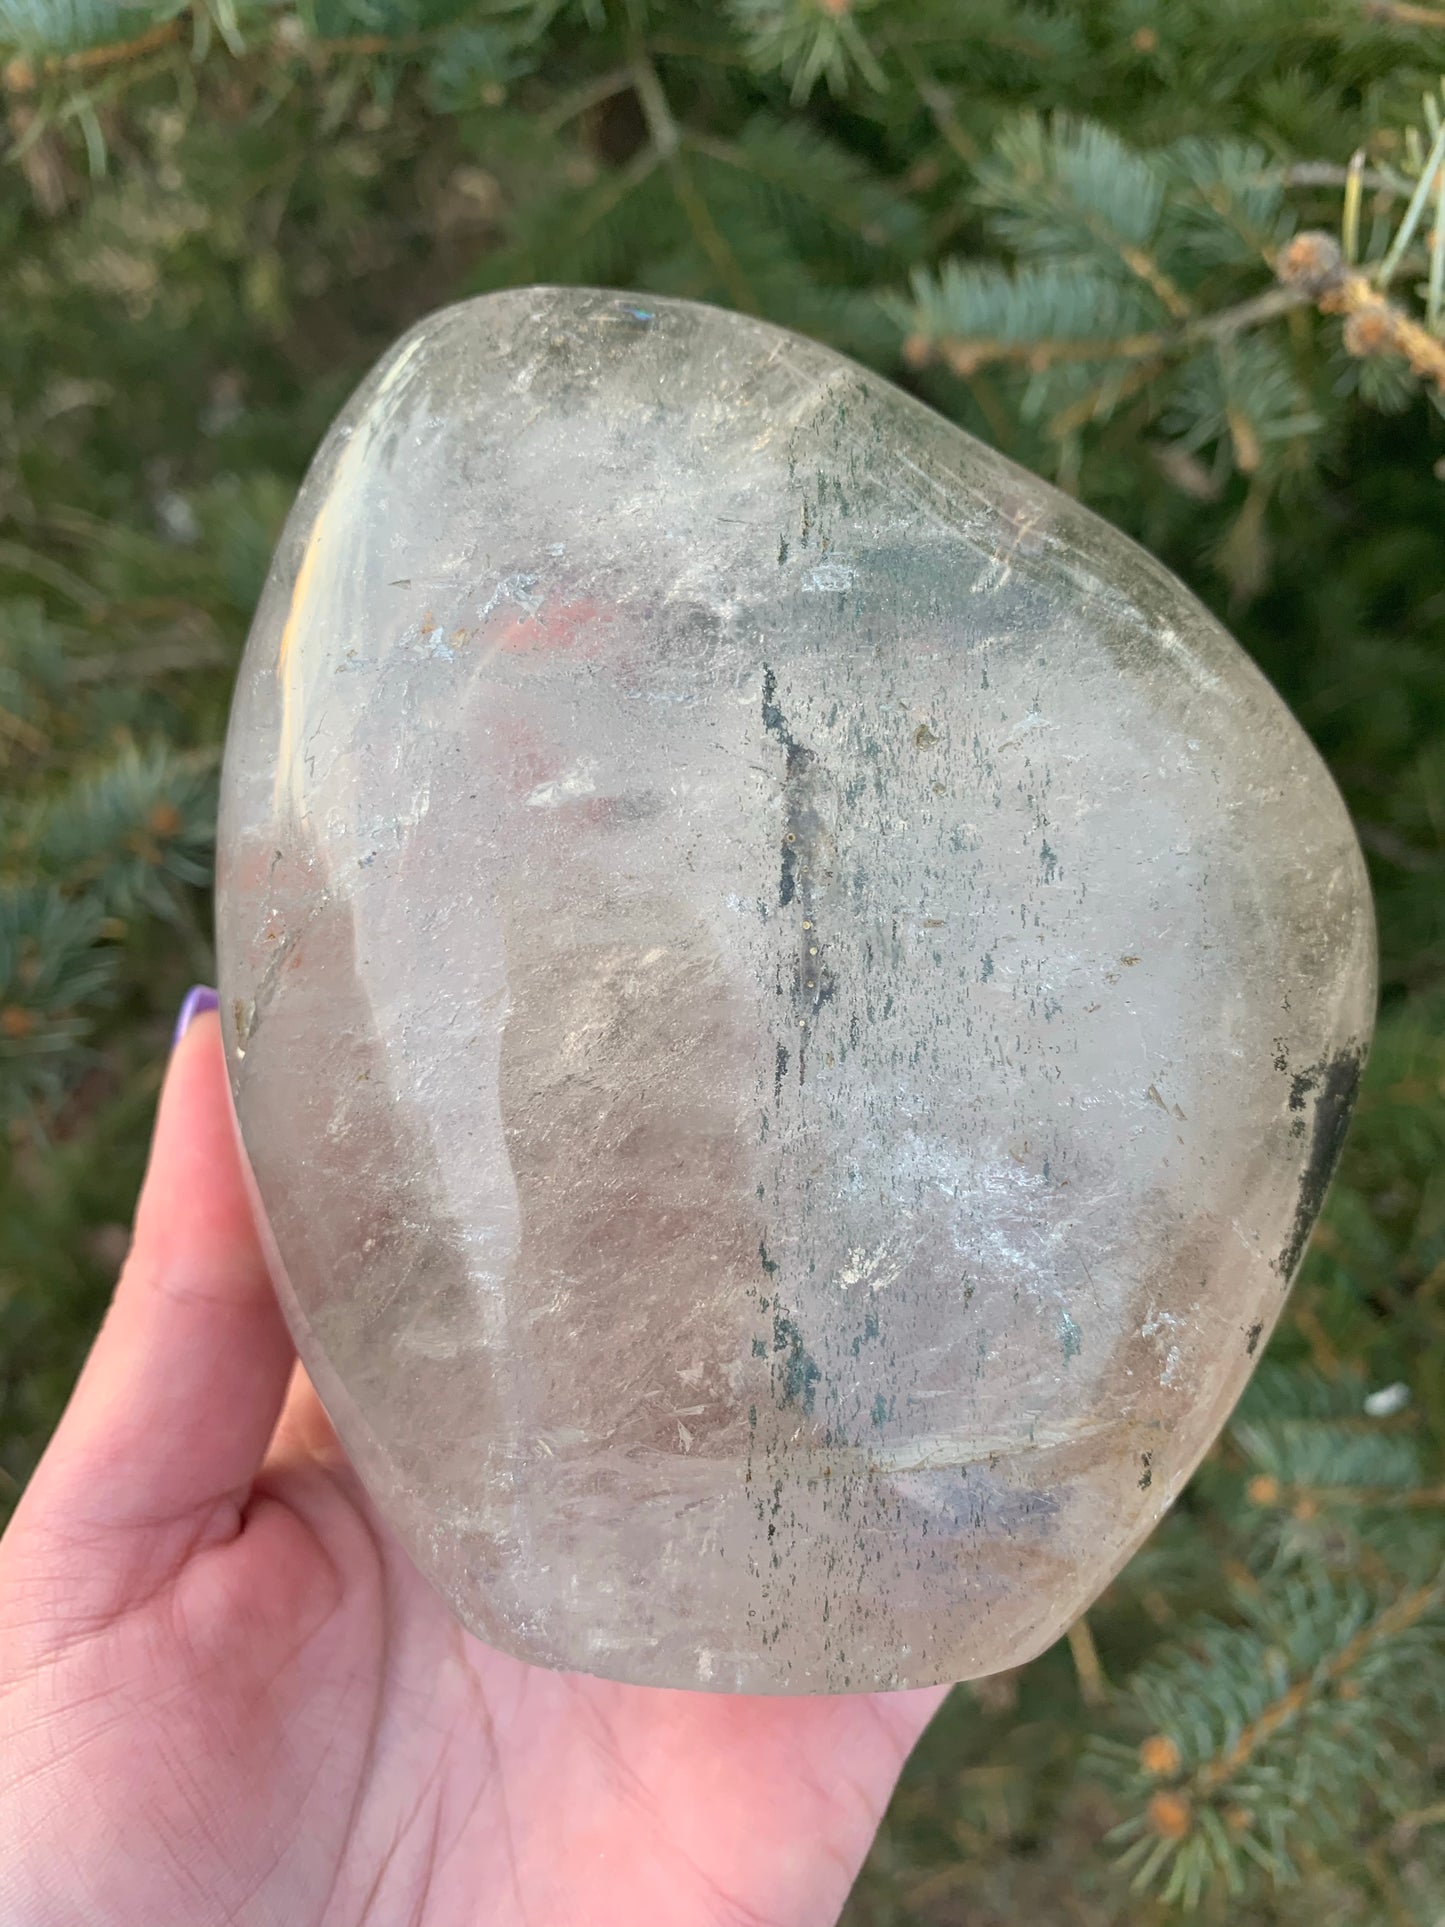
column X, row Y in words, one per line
column 791, row 996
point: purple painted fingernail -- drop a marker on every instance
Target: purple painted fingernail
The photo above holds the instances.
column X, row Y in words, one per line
column 199, row 998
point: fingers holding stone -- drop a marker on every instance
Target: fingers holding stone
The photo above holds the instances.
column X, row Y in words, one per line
column 170, row 1419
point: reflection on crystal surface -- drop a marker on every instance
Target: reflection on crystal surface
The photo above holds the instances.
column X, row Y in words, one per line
column 791, row 998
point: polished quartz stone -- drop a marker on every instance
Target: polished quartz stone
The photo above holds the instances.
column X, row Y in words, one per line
column 791, row 997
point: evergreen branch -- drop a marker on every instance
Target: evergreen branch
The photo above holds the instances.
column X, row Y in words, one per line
column 1223, row 196
column 1074, row 187
column 1229, row 322
column 965, row 356
column 1265, row 1733
column 808, row 42
column 21, row 75
column 1313, row 265
column 1396, row 1618
column 1304, row 1430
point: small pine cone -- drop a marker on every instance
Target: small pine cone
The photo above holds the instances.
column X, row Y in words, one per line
column 1312, row 263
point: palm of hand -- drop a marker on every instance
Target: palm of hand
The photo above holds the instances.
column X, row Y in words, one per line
column 226, row 1696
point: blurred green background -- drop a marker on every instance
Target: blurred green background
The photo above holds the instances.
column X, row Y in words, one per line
column 1074, row 228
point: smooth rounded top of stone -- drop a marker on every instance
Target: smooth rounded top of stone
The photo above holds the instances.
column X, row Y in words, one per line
column 791, row 997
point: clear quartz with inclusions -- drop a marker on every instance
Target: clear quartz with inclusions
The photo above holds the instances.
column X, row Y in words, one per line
column 791, row 997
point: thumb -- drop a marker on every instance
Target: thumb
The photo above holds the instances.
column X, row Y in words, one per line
column 170, row 1418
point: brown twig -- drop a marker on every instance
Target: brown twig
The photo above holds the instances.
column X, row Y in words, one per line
column 1332, row 174
column 1093, row 1686
column 23, row 76
column 965, row 357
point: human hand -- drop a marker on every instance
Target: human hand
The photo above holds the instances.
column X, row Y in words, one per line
column 227, row 1696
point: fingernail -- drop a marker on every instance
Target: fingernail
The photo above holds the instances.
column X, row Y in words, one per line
column 198, row 999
